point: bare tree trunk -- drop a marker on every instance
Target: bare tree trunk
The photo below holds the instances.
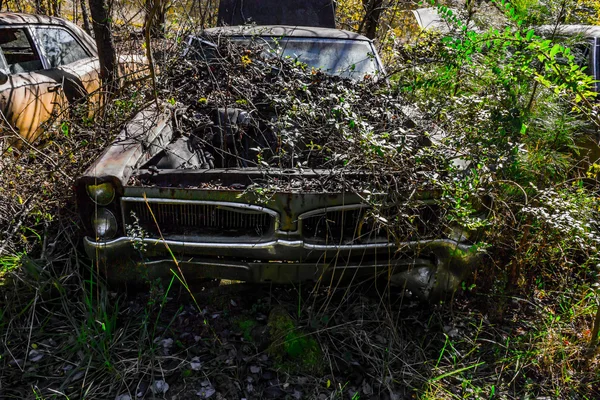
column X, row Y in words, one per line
column 155, row 17
column 104, row 41
column 204, row 13
column 151, row 10
column 373, row 9
column 86, row 18
column 40, row 7
column 55, row 8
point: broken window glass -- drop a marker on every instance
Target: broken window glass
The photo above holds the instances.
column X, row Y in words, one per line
column 18, row 51
column 59, row 46
column 3, row 65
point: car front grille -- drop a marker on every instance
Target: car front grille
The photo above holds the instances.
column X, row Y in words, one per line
column 197, row 219
column 354, row 225
column 341, row 226
column 214, row 221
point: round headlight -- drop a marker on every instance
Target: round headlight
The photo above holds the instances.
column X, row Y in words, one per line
column 102, row 194
column 104, row 224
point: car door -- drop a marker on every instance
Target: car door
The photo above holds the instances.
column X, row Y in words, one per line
column 27, row 97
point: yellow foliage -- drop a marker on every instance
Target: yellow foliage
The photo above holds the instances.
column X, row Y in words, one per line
column 246, row 61
column 350, row 14
column 586, row 12
column 396, row 24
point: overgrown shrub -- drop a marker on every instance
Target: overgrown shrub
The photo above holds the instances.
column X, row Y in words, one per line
column 519, row 107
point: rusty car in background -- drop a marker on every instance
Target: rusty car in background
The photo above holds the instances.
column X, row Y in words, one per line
column 46, row 63
column 155, row 202
column 584, row 44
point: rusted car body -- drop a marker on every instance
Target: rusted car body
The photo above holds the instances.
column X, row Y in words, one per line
column 45, row 64
column 148, row 213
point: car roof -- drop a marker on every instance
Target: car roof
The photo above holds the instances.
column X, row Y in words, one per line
column 562, row 30
column 429, row 18
column 285, row 30
column 11, row 18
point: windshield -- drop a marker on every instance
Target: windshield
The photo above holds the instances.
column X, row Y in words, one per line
column 348, row 58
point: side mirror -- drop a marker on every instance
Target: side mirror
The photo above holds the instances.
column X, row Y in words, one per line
column 3, row 78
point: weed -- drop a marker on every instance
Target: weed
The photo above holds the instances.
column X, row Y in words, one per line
column 293, row 349
column 246, row 326
column 9, row 263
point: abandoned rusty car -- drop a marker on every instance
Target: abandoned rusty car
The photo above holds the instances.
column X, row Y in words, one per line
column 48, row 64
column 163, row 199
column 45, row 64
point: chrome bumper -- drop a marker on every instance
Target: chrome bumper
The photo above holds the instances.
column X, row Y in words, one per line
column 427, row 267
column 276, row 249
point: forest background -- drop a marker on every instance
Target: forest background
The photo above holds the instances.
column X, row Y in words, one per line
column 524, row 326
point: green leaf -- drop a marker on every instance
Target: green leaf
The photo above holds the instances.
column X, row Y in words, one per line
column 64, row 128
column 529, row 34
column 555, row 50
column 457, row 371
